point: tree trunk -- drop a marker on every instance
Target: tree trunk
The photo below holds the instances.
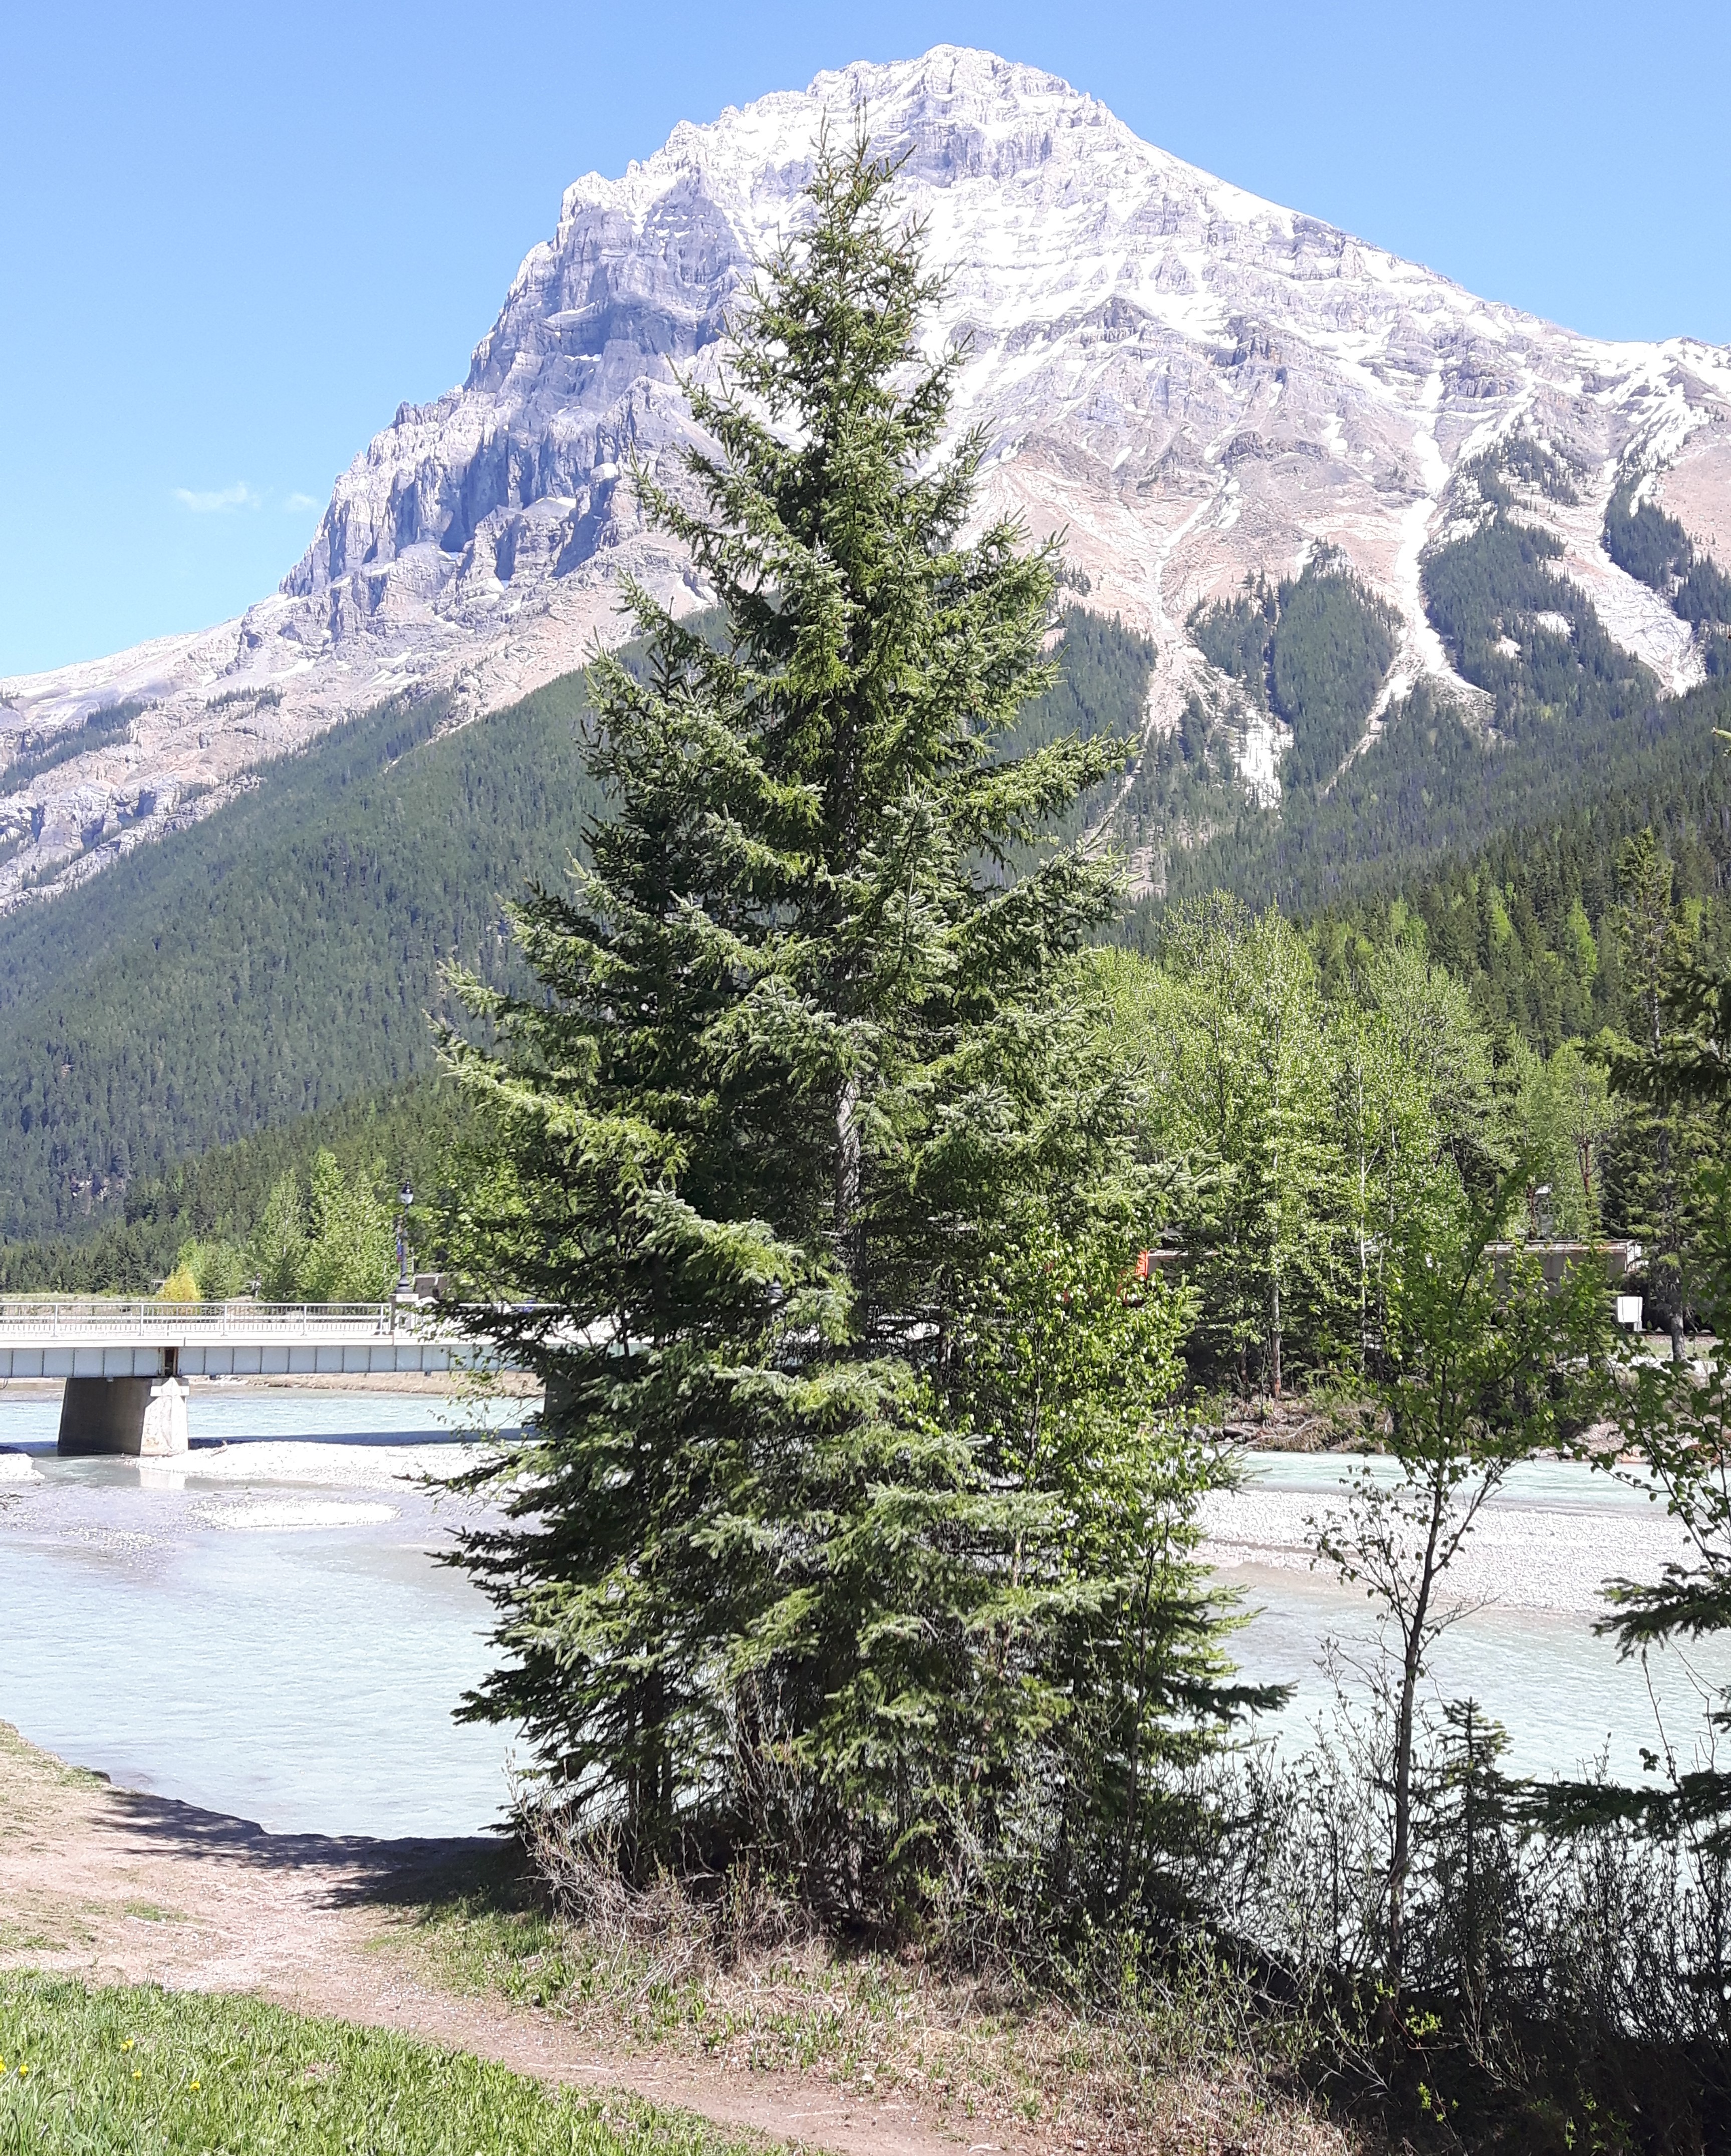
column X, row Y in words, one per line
column 1412, row 1657
column 1400, row 1856
column 847, row 1181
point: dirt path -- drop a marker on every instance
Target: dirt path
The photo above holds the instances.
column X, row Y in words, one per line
column 114, row 1886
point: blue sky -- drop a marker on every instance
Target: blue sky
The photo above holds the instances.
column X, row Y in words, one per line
column 235, row 238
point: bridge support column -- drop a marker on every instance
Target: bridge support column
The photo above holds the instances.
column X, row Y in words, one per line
column 145, row 1417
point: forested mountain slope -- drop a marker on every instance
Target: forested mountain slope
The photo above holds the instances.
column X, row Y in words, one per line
column 280, row 958
column 1530, row 923
column 1551, row 712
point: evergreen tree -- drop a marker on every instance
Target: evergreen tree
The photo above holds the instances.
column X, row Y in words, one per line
column 1651, row 1165
column 799, row 1081
column 1676, row 1418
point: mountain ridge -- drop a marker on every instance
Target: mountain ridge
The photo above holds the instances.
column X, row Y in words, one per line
column 1194, row 385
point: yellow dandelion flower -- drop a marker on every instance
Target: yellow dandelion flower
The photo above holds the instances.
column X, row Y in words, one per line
column 128, row 2044
column 138, row 2073
column 195, row 2085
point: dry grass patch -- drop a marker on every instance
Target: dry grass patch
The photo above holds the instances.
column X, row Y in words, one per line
column 1187, row 2063
column 43, row 1802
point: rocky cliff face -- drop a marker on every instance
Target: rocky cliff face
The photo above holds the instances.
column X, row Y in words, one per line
column 1191, row 383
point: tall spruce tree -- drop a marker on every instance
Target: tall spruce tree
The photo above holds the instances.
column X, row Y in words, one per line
column 1659, row 1141
column 1675, row 1418
column 802, row 1074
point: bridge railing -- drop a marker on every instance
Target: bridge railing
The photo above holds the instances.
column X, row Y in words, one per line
column 55, row 1316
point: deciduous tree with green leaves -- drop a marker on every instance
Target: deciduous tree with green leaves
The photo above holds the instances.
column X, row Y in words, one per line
column 1238, row 1110
column 1413, row 1113
column 798, row 1079
column 1482, row 1366
column 336, row 1246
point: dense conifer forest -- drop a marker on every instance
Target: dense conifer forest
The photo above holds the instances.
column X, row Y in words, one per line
column 279, row 959
column 1527, row 923
column 1101, row 689
column 221, row 1196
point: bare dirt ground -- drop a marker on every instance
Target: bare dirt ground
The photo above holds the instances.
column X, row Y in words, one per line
column 116, row 1887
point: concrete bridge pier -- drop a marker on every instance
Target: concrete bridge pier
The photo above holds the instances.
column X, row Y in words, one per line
column 143, row 1417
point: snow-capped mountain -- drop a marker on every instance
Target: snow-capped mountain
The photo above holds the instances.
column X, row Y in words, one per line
column 1192, row 383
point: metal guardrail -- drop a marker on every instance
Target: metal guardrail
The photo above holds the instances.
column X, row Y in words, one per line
column 62, row 1337
column 57, row 1317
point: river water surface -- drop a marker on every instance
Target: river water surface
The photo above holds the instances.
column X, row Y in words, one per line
column 263, row 1630
column 1522, row 1597
column 259, row 1630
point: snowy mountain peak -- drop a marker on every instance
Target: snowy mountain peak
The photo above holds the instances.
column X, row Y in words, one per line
column 1192, row 383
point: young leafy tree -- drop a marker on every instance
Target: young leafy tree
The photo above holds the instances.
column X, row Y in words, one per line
column 1480, row 1364
column 1413, row 1115
column 784, row 1099
column 336, row 1247
column 219, row 1267
column 1241, row 1112
column 280, row 1241
column 1562, row 1116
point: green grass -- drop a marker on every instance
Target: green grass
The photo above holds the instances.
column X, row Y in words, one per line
column 146, row 2072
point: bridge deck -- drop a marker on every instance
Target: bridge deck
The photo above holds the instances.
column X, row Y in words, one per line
column 96, row 1337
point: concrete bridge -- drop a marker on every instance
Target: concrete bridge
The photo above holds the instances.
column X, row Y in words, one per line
column 125, row 1364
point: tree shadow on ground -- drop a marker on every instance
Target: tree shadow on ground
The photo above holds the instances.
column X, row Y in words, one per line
column 359, row 1870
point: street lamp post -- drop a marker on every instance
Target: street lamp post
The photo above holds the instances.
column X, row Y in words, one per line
column 405, row 1198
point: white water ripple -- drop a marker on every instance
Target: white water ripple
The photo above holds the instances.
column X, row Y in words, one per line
column 271, row 1512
